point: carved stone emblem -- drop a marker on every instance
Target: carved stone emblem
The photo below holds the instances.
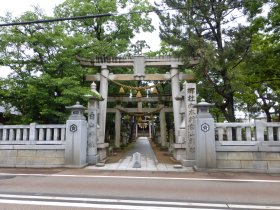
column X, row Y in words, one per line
column 205, row 127
column 73, row 128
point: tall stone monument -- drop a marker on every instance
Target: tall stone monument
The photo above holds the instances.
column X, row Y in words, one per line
column 190, row 122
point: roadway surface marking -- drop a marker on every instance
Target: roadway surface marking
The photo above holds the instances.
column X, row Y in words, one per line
column 145, row 177
column 125, row 204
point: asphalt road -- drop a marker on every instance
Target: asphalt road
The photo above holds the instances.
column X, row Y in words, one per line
column 92, row 189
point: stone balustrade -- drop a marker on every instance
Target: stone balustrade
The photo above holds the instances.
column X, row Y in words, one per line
column 258, row 136
column 234, row 131
column 258, row 131
column 32, row 145
column 248, row 146
column 32, row 134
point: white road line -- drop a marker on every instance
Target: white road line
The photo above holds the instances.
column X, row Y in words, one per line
column 88, row 205
column 235, row 206
column 170, row 203
column 143, row 177
column 120, row 203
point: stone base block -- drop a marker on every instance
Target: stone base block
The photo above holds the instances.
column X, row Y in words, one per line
column 227, row 164
column 179, row 146
column 179, row 154
column 102, row 153
column 254, row 164
column 188, row 163
column 102, row 145
column 76, row 166
column 93, row 159
column 274, row 165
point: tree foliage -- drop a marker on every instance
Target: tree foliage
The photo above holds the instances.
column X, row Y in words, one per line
column 46, row 76
column 261, row 70
column 209, row 31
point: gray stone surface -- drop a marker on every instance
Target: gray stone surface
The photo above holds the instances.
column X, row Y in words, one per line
column 205, row 137
column 254, row 164
column 148, row 160
column 222, row 155
column 229, row 164
column 240, row 156
column 273, row 164
column 76, row 143
column 32, row 158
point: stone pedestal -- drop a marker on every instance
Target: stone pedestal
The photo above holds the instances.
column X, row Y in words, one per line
column 179, row 151
column 102, row 150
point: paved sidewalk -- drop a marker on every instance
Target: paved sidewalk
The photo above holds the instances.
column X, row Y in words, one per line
column 148, row 160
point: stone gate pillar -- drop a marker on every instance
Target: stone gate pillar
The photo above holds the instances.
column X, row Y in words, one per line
column 162, row 126
column 205, row 137
column 103, row 104
column 176, row 104
column 76, row 137
column 117, row 128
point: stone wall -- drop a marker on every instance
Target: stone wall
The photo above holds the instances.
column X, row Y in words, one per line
column 244, row 147
column 32, row 156
column 249, row 161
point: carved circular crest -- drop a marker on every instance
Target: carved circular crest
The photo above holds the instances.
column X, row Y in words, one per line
column 205, row 127
column 73, row 128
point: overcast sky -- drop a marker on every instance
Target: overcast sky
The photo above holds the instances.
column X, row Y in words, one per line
column 18, row 7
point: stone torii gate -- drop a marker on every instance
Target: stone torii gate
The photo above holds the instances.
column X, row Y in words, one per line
column 138, row 63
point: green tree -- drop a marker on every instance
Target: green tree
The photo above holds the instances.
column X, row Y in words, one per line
column 208, row 30
column 261, row 70
column 46, row 75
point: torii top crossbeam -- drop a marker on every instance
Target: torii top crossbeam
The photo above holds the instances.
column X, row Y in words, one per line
column 138, row 63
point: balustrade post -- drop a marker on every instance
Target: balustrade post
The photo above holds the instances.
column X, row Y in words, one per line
column 259, row 132
column 32, row 133
column 5, row 134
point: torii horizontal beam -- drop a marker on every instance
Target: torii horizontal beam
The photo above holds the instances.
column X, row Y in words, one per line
column 139, row 111
column 140, row 99
column 146, row 77
column 130, row 62
column 138, row 63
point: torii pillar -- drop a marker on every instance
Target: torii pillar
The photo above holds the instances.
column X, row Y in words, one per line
column 176, row 104
column 117, row 129
column 162, row 127
column 103, row 90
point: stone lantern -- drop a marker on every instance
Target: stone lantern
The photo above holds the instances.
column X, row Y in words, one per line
column 77, row 111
